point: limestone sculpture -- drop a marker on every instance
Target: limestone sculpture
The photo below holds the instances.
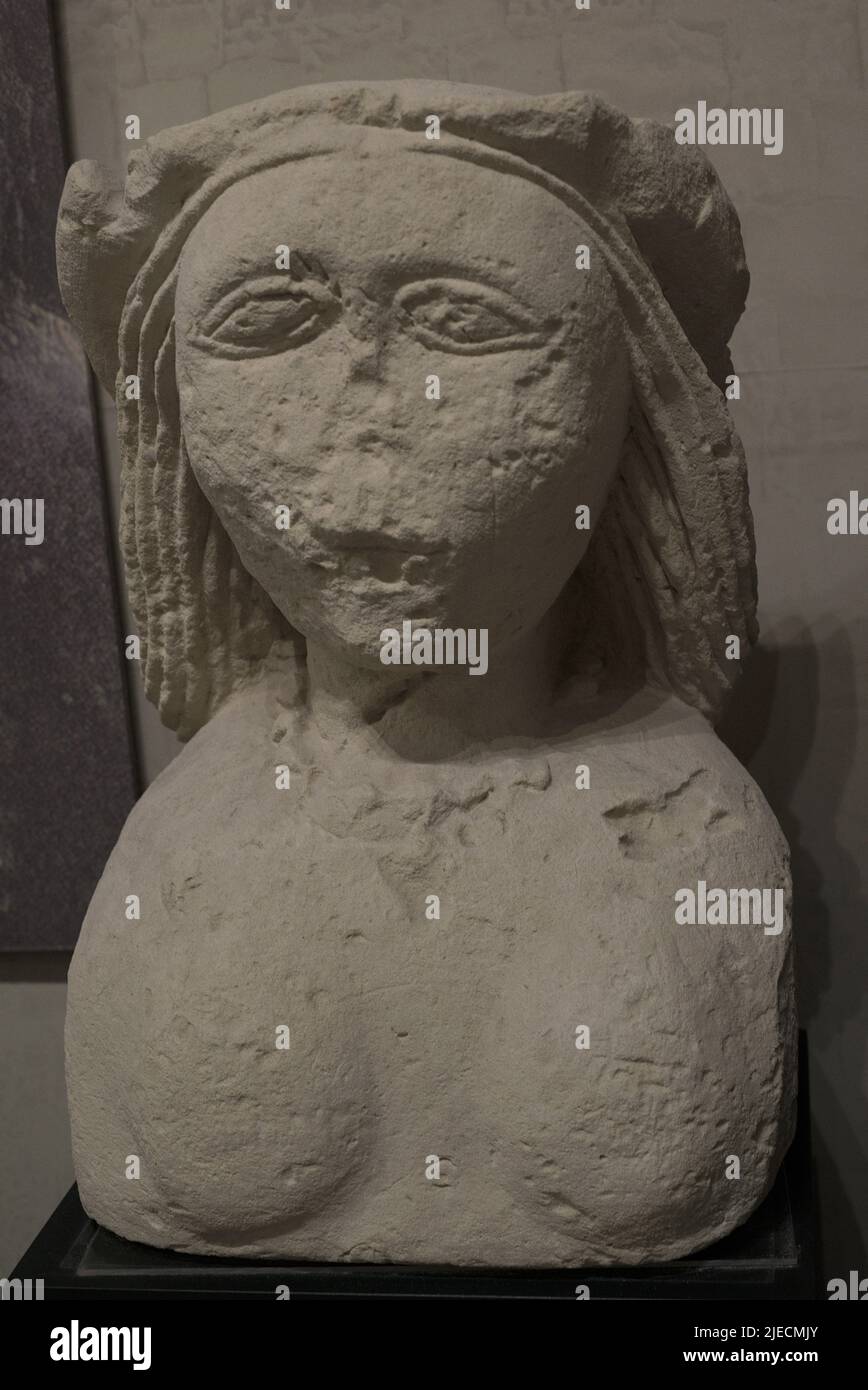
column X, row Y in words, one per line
column 390, row 964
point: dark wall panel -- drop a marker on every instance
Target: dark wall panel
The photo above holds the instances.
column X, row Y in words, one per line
column 67, row 764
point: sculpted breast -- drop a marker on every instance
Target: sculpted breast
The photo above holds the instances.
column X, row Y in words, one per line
column 489, row 973
column 221, row 998
column 635, row 1057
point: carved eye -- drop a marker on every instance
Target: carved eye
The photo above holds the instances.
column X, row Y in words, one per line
column 267, row 317
column 465, row 317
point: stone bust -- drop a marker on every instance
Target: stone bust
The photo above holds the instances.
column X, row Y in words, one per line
column 388, row 964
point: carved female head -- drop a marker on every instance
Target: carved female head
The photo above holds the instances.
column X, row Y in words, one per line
column 397, row 417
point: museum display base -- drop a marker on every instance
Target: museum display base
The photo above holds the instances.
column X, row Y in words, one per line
column 771, row 1257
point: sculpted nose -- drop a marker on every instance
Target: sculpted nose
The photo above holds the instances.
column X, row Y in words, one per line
column 367, row 495
column 369, row 416
column 368, row 434
column 365, row 359
column 371, row 413
column 366, row 329
column 369, row 457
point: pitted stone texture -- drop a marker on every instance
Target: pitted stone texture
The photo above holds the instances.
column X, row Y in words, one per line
column 412, row 1038
column 306, row 387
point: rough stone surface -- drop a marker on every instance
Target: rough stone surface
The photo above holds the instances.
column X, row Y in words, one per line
column 306, row 907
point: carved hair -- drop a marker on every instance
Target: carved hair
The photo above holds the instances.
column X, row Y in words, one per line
column 670, row 568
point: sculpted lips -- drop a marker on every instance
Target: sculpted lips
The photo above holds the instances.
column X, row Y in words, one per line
column 382, row 556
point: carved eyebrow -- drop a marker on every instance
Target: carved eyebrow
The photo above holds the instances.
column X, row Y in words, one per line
column 524, row 326
column 306, row 267
column 303, row 266
column 264, row 281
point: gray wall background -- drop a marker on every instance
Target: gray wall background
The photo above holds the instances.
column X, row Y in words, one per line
column 63, row 702
column 801, row 350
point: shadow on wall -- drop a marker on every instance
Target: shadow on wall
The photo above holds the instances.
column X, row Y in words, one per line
column 773, row 726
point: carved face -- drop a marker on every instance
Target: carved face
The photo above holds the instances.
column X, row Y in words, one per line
column 431, row 389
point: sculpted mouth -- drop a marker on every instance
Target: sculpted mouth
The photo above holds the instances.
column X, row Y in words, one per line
column 386, row 557
column 372, row 542
column 388, row 565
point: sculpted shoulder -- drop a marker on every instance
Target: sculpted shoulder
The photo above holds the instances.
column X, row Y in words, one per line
column 660, row 784
column 222, row 766
column 197, row 816
column 666, row 787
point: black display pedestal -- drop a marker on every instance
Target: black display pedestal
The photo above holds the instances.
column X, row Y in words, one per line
column 771, row 1257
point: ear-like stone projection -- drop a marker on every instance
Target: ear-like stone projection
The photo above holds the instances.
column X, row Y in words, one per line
column 391, row 432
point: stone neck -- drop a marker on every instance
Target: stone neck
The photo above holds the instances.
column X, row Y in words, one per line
column 433, row 713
